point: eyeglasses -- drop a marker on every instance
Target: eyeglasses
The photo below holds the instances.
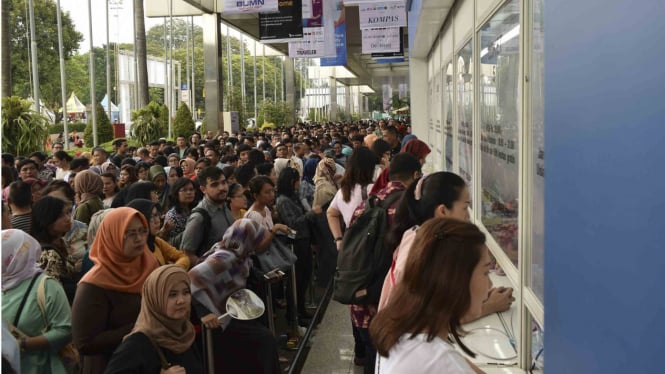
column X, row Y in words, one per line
column 136, row 234
column 186, row 190
column 241, row 195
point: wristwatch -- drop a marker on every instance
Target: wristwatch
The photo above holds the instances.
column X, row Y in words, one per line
column 338, row 239
column 22, row 343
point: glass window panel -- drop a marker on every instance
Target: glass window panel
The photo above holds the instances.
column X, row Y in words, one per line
column 500, row 126
column 465, row 112
column 438, row 98
column 537, row 116
column 430, row 122
column 448, row 102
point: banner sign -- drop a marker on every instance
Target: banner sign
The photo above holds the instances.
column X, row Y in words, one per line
column 312, row 44
column 249, row 6
column 383, row 14
column 284, row 26
column 381, row 40
column 400, row 53
column 340, row 38
column 312, row 13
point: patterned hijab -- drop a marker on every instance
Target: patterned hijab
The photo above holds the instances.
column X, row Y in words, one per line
column 20, row 258
column 325, row 172
column 89, row 184
column 176, row 335
column 227, row 268
column 112, row 269
column 109, row 167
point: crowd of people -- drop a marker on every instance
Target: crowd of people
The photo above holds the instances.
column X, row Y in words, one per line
column 121, row 257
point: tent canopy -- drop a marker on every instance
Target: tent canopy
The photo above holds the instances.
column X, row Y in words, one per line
column 42, row 108
column 74, row 105
column 104, row 103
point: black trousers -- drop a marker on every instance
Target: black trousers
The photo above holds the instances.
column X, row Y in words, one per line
column 245, row 347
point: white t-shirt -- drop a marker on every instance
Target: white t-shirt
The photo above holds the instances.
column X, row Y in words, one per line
column 417, row 355
column 347, row 208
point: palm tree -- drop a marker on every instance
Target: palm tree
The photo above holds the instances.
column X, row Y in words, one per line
column 5, row 51
column 141, row 54
column 23, row 129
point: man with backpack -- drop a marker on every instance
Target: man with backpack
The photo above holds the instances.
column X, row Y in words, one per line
column 365, row 244
column 209, row 220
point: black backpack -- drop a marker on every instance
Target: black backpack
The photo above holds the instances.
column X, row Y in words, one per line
column 205, row 231
column 362, row 245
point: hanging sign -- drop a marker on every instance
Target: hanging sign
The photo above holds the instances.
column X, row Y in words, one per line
column 312, row 44
column 382, row 14
column 340, row 37
column 312, row 13
column 284, row 26
column 381, row 40
column 249, row 6
column 398, row 53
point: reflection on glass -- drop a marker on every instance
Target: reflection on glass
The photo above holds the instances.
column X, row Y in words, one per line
column 537, row 115
column 465, row 112
column 500, row 126
column 448, row 103
column 537, row 349
column 438, row 96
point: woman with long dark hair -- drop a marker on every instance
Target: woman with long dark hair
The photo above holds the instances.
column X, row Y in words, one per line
column 445, row 279
column 182, row 200
column 51, row 221
column 437, row 195
column 293, row 214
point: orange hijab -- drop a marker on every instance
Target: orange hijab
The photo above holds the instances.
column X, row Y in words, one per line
column 112, row 269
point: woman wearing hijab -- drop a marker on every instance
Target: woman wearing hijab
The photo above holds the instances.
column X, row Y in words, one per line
column 21, row 278
column 414, row 146
column 188, row 168
column 157, row 176
column 88, row 187
column 163, row 251
column 163, row 325
column 307, row 186
column 325, row 182
column 239, row 346
column 108, row 298
column 109, row 167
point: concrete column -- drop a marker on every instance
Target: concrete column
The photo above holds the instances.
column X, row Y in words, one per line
column 212, row 73
column 419, row 100
column 290, row 87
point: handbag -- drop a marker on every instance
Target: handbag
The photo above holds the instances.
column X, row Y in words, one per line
column 68, row 354
column 277, row 256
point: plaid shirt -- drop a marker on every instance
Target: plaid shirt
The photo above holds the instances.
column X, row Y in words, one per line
column 360, row 314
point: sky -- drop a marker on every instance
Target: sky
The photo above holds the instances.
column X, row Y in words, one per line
column 121, row 28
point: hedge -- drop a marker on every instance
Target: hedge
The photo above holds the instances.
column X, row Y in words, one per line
column 59, row 127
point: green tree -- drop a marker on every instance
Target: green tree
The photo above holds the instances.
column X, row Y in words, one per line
column 146, row 123
column 104, row 128
column 164, row 120
column 183, row 123
column 46, row 35
column 278, row 113
column 23, row 129
column 78, row 76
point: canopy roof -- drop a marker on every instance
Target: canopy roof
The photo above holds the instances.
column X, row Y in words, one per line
column 74, row 105
column 104, row 103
